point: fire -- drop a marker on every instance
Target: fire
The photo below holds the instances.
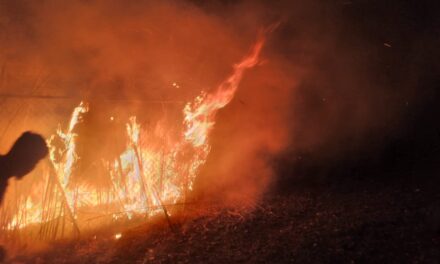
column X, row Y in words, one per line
column 144, row 178
column 63, row 166
column 200, row 115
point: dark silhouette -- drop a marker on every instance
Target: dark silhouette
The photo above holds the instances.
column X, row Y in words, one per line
column 21, row 159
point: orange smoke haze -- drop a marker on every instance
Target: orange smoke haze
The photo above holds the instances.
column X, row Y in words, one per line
column 145, row 59
column 314, row 90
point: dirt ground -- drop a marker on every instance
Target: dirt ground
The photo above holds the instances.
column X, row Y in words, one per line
column 361, row 223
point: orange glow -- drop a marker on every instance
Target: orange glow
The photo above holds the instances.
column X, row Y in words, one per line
column 143, row 178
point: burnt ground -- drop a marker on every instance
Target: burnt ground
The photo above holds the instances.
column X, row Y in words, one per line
column 359, row 223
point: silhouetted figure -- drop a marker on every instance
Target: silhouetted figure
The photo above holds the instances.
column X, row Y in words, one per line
column 21, row 159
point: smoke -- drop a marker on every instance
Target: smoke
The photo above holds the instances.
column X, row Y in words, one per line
column 367, row 91
column 123, row 58
column 322, row 89
column 340, row 95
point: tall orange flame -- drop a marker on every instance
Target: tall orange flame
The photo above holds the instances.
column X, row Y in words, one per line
column 143, row 178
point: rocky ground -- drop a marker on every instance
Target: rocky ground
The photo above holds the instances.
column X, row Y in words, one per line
column 363, row 223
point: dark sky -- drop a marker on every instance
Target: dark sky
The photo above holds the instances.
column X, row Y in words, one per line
column 392, row 47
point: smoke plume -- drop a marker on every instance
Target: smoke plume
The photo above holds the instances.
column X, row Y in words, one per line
column 321, row 92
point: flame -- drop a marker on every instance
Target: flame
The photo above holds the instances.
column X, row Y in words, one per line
column 144, row 179
column 63, row 166
column 200, row 115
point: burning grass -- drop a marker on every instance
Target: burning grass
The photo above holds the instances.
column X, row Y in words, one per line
column 149, row 177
